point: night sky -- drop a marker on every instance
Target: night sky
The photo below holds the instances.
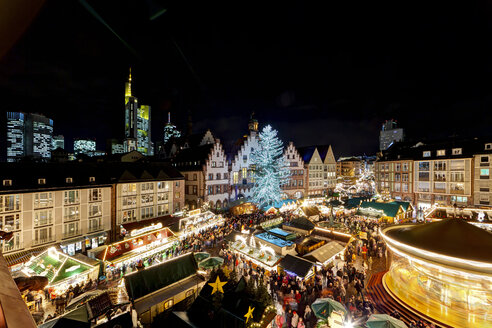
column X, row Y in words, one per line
column 318, row 74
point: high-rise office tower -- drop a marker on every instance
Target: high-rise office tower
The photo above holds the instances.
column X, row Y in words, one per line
column 170, row 129
column 83, row 146
column 33, row 131
column 389, row 134
column 58, row 142
column 15, row 136
column 137, row 123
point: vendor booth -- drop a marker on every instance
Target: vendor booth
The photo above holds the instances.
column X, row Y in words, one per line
column 297, row 266
column 198, row 221
column 259, row 254
column 310, row 212
column 60, row 269
column 326, row 254
column 242, row 206
column 142, row 246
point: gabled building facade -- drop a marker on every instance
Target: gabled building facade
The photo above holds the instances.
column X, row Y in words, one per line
column 295, row 187
column 314, row 170
column 329, row 167
column 241, row 177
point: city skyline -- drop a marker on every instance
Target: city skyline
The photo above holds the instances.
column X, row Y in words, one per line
column 335, row 73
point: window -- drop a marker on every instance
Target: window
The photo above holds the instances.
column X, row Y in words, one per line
column 244, row 172
column 128, row 216
column 424, row 176
column 217, row 189
column 163, row 209
column 235, row 177
column 456, row 151
column 440, row 186
column 71, row 229
column 43, row 235
column 146, row 198
column 457, row 187
column 10, row 222
column 163, row 196
column 129, row 188
column 95, row 195
column 484, row 173
column 195, row 190
column 459, row 199
column 226, row 176
column 426, row 153
column 423, row 187
column 146, row 212
column 488, row 146
column 177, row 184
column 214, row 164
column 423, row 166
column 92, row 179
column 397, row 187
column 404, row 167
column 71, row 213
column 455, row 165
column 147, row 187
column 484, row 159
column 43, row 217
column 129, row 201
column 397, row 167
column 95, row 224
column 210, row 176
column 176, row 195
column 441, row 152
column 95, row 210
column 440, row 176
column 41, row 181
column 71, row 197
column 404, row 177
column 300, row 183
column 7, row 183
column 210, row 190
column 457, row 176
column 9, row 203
column 440, row 166
column 245, row 158
column 217, row 176
column 397, row 177
column 405, row 187
column 44, row 199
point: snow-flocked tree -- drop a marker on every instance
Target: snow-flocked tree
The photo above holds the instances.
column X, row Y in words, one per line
column 271, row 170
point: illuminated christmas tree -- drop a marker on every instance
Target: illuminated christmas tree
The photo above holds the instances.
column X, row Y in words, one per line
column 271, row 170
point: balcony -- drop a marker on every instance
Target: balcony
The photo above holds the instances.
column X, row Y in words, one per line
column 40, row 241
column 69, row 234
column 11, row 248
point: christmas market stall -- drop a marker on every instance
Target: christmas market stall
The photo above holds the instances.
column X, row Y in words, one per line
column 242, row 206
column 297, row 267
column 389, row 212
column 60, row 269
column 196, row 221
column 311, row 212
column 143, row 248
column 259, row 255
column 326, row 254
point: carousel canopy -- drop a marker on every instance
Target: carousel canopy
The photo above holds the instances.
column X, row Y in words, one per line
column 451, row 237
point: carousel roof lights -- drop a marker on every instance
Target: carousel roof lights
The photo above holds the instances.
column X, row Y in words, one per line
column 477, row 264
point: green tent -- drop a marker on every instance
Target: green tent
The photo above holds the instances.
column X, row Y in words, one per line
column 211, row 262
column 384, row 321
column 200, row 256
column 323, row 307
column 77, row 318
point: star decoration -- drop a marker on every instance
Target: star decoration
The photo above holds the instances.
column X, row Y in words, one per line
column 249, row 314
column 217, row 285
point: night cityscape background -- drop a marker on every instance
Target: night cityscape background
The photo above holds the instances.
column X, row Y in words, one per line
column 338, row 72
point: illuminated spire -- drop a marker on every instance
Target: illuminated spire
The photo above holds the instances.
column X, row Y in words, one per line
column 128, row 87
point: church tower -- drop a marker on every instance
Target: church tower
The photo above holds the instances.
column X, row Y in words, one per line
column 253, row 123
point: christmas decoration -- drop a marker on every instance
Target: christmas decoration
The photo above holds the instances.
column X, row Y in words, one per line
column 249, row 314
column 271, row 170
column 217, row 285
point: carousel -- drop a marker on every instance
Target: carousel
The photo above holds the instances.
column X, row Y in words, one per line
column 442, row 270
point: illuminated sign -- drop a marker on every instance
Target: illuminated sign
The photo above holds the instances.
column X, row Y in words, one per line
column 194, row 212
column 146, row 229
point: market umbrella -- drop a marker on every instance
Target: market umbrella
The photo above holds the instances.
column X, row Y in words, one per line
column 323, row 307
column 211, row 263
column 200, row 256
column 384, row 321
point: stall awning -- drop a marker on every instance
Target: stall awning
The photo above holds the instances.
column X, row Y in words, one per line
column 324, row 253
column 297, row 265
column 24, row 256
column 141, row 283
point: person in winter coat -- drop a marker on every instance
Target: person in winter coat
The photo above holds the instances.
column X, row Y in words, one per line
column 300, row 324
column 295, row 320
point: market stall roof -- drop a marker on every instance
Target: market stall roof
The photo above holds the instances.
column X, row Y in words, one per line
column 301, row 223
column 325, row 252
column 238, row 202
column 310, row 210
column 279, row 204
column 55, row 265
column 77, row 318
column 451, row 237
column 354, row 202
column 141, row 283
column 407, row 206
column 296, row 265
column 388, row 209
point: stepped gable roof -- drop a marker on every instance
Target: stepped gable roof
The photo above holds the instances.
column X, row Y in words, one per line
column 192, row 158
column 306, row 153
column 451, row 237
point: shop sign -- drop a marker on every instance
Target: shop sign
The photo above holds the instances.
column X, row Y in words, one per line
column 194, row 212
column 146, row 229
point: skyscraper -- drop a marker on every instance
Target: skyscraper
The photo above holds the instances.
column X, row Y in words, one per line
column 389, row 134
column 137, row 123
column 170, row 129
column 83, row 146
column 58, row 142
column 28, row 135
column 15, row 136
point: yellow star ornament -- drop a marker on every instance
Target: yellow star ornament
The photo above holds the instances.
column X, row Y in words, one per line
column 217, row 285
column 249, row 314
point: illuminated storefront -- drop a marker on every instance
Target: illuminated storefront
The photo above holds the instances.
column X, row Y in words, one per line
column 443, row 270
column 198, row 221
